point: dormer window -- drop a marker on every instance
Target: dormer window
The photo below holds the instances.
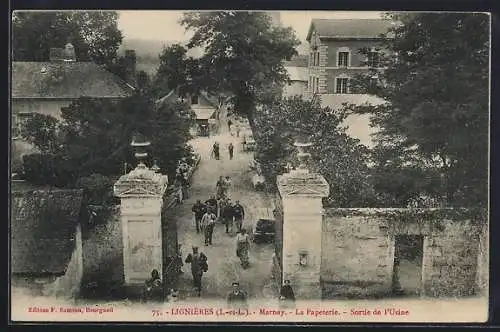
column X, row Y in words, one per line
column 343, row 57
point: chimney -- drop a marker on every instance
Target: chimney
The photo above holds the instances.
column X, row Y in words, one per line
column 130, row 65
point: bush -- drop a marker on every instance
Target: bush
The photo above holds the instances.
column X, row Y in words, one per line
column 46, row 169
column 97, row 188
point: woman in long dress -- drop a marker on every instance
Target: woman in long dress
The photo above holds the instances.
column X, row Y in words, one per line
column 242, row 247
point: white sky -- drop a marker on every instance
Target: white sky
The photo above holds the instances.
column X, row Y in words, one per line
column 163, row 24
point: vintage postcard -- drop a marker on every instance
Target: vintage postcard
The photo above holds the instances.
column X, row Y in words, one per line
column 250, row 166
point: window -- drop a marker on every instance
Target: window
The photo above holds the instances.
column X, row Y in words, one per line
column 19, row 122
column 317, row 58
column 373, row 60
column 194, row 99
column 341, row 85
column 343, row 59
column 317, row 85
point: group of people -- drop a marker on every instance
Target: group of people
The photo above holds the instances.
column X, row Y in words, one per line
column 216, row 151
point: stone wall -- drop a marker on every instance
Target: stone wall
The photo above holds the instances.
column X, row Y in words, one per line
column 358, row 252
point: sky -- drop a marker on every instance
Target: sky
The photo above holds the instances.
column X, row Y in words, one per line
column 164, row 26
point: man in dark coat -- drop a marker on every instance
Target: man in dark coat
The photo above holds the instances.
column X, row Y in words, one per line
column 239, row 215
column 199, row 210
column 231, row 150
column 237, row 298
column 227, row 215
column 199, row 265
column 287, row 297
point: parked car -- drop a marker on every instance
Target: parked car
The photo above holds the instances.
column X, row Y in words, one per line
column 265, row 227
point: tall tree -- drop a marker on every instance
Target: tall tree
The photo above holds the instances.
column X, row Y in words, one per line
column 94, row 34
column 244, row 54
column 436, row 82
column 335, row 155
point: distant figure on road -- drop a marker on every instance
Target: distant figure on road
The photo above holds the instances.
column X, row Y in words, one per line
column 287, row 297
column 199, row 209
column 227, row 186
column 180, row 264
column 237, row 298
column 216, row 151
column 239, row 215
column 231, row 150
column 220, row 188
column 229, row 123
column 238, row 131
column 153, row 288
column 242, row 248
column 208, row 224
column 199, row 265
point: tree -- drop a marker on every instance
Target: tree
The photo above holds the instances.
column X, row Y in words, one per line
column 244, row 54
column 94, row 34
column 176, row 70
column 436, row 83
column 94, row 136
column 41, row 131
column 341, row 159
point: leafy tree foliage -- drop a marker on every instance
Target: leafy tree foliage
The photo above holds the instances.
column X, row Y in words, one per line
column 435, row 79
column 244, row 54
column 335, row 155
column 41, row 131
column 94, row 135
column 176, row 70
column 94, row 34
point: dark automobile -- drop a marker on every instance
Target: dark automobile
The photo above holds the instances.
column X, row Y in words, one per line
column 264, row 230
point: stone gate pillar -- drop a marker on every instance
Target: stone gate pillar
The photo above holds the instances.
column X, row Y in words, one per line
column 301, row 192
column 141, row 193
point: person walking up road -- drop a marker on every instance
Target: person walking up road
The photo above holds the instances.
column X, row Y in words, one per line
column 199, row 265
column 239, row 215
column 242, row 248
column 231, row 150
column 199, row 209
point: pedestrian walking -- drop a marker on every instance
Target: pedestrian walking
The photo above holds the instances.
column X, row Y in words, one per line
column 153, row 288
column 227, row 186
column 287, row 297
column 237, row 298
column 237, row 130
column 208, row 224
column 220, row 188
column 199, row 209
column 231, row 150
column 199, row 265
column 216, row 151
column 242, row 248
column 239, row 215
column 229, row 123
column 227, row 216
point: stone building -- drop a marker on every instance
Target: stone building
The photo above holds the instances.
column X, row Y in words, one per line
column 335, row 58
column 46, row 87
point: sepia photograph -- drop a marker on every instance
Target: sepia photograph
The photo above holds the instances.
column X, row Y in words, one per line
column 249, row 166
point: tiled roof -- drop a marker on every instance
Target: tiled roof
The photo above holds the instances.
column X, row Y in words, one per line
column 358, row 126
column 43, row 228
column 349, row 28
column 298, row 73
column 65, row 80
